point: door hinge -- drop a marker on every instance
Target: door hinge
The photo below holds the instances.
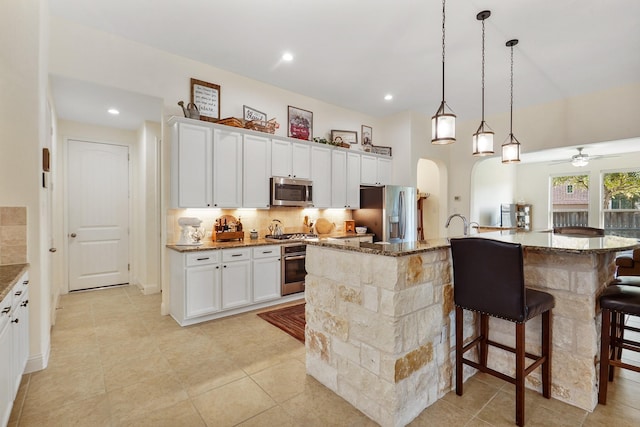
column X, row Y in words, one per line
column 128, row 267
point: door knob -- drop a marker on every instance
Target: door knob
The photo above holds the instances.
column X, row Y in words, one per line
column 73, row 234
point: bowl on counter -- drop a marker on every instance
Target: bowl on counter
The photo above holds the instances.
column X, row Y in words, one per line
column 361, row 230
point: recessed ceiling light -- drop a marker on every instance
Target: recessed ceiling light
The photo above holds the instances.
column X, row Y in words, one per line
column 287, row 57
column 113, row 111
column 388, row 97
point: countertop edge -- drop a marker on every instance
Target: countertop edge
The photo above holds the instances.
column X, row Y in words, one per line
column 212, row 246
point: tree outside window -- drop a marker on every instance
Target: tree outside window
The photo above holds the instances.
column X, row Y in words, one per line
column 621, row 203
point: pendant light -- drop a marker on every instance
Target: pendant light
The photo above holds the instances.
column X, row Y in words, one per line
column 483, row 138
column 443, row 123
column 511, row 148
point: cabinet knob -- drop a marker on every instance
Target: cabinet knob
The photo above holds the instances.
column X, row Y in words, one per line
column 224, row 266
column 25, row 303
column 15, row 321
column 73, row 235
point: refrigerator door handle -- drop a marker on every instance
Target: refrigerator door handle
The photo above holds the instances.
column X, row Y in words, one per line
column 403, row 215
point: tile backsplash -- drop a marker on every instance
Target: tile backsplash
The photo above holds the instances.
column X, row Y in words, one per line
column 259, row 219
column 13, row 235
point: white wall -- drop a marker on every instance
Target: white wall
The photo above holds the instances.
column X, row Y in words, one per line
column 22, row 136
column 492, row 183
column 596, row 117
column 539, row 173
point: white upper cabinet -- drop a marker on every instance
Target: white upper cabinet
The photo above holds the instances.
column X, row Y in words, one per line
column 321, row 176
column 290, row 159
column 353, row 180
column 338, row 179
column 191, row 166
column 375, row 170
column 256, row 171
column 227, row 169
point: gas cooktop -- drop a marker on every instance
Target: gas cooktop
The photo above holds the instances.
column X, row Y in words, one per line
column 291, row 236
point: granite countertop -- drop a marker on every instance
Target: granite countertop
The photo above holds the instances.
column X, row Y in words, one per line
column 543, row 241
column 9, row 275
column 209, row 245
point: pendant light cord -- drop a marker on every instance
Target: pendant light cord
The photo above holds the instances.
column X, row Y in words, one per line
column 482, row 71
column 443, row 18
column 511, row 109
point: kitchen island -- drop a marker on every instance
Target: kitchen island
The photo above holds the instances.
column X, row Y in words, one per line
column 380, row 319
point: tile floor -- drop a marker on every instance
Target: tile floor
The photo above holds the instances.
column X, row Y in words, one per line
column 116, row 362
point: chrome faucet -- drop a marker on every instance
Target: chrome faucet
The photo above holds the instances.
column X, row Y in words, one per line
column 464, row 220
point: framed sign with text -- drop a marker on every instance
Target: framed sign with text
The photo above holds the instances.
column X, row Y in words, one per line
column 206, row 96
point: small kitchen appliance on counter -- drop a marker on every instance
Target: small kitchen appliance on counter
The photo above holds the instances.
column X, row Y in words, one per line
column 350, row 226
column 191, row 235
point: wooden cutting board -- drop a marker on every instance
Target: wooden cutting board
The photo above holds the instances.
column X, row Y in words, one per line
column 323, row 226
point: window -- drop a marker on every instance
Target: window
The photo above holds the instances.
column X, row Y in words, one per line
column 621, row 203
column 570, row 200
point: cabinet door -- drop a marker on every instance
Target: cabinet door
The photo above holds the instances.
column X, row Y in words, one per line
column 301, row 160
column 193, row 164
column 20, row 332
column 256, row 171
column 384, row 171
column 266, row 279
column 280, row 158
column 338, row 179
column 369, row 170
column 353, row 181
column 6, row 376
column 227, row 169
column 321, row 176
column 236, row 282
column 202, row 290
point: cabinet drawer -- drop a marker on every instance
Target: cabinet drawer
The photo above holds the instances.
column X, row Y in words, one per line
column 266, row 251
column 236, row 254
column 202, row 258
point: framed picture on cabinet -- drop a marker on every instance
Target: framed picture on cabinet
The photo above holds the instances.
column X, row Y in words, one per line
column 379, row 149
column 348, row 136
column 367, row 137
column 300, row 123
column 253, row 114
column 206, row 96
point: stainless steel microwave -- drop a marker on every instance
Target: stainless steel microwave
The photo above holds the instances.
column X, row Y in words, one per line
column 291, row 192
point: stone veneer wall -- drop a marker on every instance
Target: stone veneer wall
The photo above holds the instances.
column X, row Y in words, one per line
column 378, row 329
column 13, row 235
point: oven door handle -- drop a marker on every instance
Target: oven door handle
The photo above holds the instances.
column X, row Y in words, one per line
column 294, row 258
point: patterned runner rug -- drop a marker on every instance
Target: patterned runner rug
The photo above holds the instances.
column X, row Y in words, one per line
column 289, row 319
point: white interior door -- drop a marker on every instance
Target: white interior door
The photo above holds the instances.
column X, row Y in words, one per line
column 98, row 212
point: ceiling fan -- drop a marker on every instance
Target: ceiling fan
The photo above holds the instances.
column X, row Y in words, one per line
column 581, row 159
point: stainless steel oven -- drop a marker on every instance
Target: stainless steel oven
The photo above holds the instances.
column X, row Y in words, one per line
column 293, row 269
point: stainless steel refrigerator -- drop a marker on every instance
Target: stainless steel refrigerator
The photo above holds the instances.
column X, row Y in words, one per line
column 391, row 212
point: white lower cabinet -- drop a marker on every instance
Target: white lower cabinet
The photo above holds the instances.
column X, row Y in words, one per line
column 14, row 344
column 236, row 277
column 266, row 273
column 6, row 349
column 215, row 283
column 202, row 290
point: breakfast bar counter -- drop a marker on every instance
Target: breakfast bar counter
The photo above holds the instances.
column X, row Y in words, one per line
column 380, row 319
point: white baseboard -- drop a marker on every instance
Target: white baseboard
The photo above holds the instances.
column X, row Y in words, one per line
column 38, row 362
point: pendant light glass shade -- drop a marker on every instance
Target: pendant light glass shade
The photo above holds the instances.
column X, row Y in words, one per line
column 511, row 148
column 443, row 123
column 483, row 141
column 483, row 138
column 443, row 126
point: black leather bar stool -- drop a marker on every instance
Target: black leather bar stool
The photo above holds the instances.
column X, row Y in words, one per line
column 489, row 279
column 616, row 301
